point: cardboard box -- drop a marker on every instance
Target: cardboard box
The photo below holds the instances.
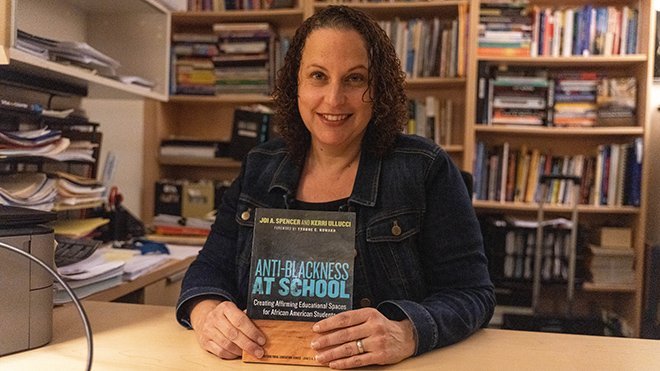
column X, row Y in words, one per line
column 184, row 198
column 198, row 198
column 614, row 237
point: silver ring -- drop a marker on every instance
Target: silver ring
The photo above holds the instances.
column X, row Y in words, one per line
column 360, row 347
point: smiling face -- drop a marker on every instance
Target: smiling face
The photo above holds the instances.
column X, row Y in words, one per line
column 333, row 96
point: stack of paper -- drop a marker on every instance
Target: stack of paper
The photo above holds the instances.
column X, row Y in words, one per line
column 89, row 276
column 40, row 142
column 78, row 228
column 32, row 190
column 71, row 52
column 76, row 190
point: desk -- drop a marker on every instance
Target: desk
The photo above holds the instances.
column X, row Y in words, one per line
column 146, row 337
column 162, row 272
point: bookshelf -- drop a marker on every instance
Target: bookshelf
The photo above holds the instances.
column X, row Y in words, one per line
column 129, row 31
column 198, row 117
column 590, row 298
column 210, row 117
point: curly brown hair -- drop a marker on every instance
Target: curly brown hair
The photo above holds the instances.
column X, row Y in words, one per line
column 386, row 81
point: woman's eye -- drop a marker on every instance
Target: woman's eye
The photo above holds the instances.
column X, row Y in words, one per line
column 356, row 79
column 317, row 75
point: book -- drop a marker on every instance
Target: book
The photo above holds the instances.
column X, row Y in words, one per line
column 301, row 272
column 250, row 127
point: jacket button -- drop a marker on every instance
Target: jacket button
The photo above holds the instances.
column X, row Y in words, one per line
column 396, row 230
column 365, row 302
column 245, row 215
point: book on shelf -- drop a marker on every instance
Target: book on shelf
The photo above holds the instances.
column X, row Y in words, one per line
column 432, row 118
column 246, row 59
column 504, row 29
column 605, row 179
column 221, row 5
column 301, row 272
column 616, row 101
column 190, row 148
column 250, row 126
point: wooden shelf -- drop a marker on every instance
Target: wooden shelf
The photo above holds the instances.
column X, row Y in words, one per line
column 453, row 148
column 614, row 288
column 277, row 17
column 444, row 8
column 533, row 207
column 222, row 99
column 574, row 61
column 89, row 205
column 220, row 162
column 78, row 75
column 435, row 82
column 559, row 131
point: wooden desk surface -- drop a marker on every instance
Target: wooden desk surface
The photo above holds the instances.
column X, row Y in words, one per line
column 144, row 337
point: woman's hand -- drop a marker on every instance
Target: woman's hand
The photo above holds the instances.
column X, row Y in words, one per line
column 224, row 330
column 382, row 341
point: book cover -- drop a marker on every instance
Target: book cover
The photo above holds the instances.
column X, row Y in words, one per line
column 301, row 272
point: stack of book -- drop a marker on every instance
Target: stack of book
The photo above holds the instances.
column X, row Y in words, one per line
column 177, row 229
column 575, row 99
column 192, row 67
column 612, row 257
column 617, row 101
column 246, row 59
column 520, row 100
column 515, row 97
column 505, row 29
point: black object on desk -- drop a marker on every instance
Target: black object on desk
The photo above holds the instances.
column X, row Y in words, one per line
column 73, row 250
column 123, row 226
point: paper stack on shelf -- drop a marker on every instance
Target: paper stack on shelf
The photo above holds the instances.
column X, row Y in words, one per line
column 40, row 142
column 78, row 228
column 71, row 52
column 612, row 257
column 77, row 190
column 32, row 190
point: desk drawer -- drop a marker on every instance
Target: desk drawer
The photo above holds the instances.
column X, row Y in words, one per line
column 165, row 291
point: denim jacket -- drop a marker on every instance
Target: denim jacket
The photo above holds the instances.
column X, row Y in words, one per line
column 419, row 248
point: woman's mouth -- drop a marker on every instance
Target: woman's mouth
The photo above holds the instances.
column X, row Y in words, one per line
column 334, row 118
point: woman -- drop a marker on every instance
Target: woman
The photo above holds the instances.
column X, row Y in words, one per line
column 421, row 279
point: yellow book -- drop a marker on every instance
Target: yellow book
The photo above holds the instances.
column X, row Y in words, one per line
column 533, row 178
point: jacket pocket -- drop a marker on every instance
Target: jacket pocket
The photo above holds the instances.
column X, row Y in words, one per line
column 392, row 253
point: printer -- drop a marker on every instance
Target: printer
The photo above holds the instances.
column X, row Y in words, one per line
column 26, row 296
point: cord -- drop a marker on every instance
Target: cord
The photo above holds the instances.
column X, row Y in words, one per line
column 81, row 311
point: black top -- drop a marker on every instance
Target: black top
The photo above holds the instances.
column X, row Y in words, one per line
column 321, row 206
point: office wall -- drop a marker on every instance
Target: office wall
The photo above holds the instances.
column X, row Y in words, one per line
column 123, row 130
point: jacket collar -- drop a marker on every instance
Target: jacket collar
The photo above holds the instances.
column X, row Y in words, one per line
column 365, row 189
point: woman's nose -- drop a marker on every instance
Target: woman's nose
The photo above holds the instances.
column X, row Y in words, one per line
column 336, row 94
